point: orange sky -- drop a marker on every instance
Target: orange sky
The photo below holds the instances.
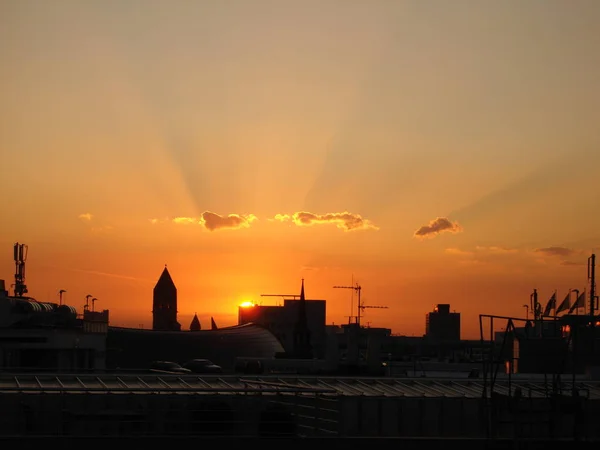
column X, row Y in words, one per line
column 367, row 122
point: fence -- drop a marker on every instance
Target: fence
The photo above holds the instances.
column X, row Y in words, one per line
column 164, row 414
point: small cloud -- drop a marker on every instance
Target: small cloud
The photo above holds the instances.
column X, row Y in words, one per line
column 556, row 251
column 86, row 217
column 186, row 220
column 281, row 217
column 345, row 221
column 437, row 226
column 212, row 221
column 458, row 251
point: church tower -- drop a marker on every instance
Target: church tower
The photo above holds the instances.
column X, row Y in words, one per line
column 164, row 306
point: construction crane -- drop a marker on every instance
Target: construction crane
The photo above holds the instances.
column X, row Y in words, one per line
column 360, row 306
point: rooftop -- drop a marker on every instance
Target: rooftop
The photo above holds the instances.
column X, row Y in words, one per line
column 214, row 384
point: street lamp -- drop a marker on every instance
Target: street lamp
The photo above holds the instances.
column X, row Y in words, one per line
column 526, row 311
column 60, row 293
column 87, row 301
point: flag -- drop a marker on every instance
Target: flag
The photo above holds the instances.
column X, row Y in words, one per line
column 550, row 305
column 579, row 303
column 565, row 304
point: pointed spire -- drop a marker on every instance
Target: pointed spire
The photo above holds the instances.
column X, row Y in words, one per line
column 195, row 325
column 302, row 346
column 213, row 324
column 165, row 279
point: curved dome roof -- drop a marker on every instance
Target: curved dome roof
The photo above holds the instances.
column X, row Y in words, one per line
column 137, row 348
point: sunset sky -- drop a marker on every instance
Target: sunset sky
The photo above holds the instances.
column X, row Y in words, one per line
column 436, row 151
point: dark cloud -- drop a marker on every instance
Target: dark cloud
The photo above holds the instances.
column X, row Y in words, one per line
column 437, row 226
column 556, row 251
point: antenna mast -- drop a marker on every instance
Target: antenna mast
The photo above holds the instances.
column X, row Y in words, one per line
column 20, row 255
column 592, row 278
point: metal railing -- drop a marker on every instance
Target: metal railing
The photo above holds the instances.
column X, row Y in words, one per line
column 252, row 412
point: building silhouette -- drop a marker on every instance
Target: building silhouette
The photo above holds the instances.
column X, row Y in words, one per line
column 442, row 325
column 164, row 310
column 294, row 323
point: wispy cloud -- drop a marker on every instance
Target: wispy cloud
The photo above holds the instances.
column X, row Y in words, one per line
column 496, row 250
column 458, row 251
column 572, row 263
column 437, row 226
column 564, row 255
column 101, row 229
column 109, row 275
column 343, row 220
column 481, row 250
column 94, row 226
column 212, row 221
column 556, row 251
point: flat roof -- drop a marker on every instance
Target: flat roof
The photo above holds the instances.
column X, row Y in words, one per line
column 273, row 384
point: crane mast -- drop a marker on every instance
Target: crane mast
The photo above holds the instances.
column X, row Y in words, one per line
column 360, row 306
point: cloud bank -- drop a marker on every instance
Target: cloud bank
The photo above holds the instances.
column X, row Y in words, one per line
column 345, row 221
column 437, row 226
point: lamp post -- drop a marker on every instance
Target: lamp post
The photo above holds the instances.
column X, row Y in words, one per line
column 60, row 293
column 87, row 302
column 526, row 311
